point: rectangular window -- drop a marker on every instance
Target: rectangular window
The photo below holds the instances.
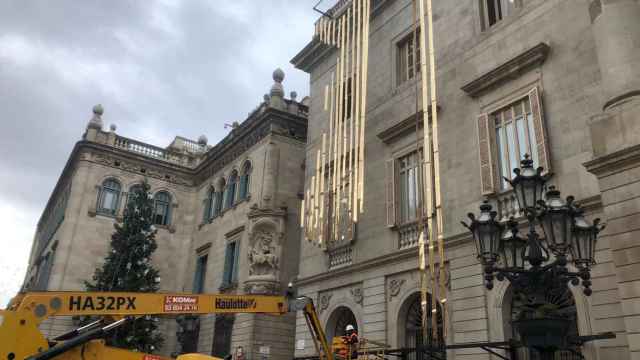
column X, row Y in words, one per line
column 408, row 180
column 222, row 334
column 201, row 274
column 408, row 58
column 230, row 274
column 495, row 10
column 515, row 137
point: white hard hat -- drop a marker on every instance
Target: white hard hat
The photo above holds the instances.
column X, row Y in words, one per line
column 349, row 327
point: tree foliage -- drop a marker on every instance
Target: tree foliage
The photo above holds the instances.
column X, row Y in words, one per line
column 128, row 268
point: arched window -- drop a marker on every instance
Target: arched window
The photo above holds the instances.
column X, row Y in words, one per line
column 162, row 208
column 209, row 206
column 514, row 305
column 413, row 333
column 338, row 321
column 109, row 197
column 230, row 193
column 219, row 197
column 244, row 181
column 133, row 191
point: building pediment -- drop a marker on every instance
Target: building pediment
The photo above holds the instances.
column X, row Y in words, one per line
column 508, row 70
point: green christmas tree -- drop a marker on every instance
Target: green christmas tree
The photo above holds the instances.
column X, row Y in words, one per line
column 128, row 268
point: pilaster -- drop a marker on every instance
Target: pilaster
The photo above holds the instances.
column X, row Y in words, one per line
column 616, row 149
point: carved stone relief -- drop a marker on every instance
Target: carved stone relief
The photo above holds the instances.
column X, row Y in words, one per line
column 395, row 286
column 263, row 256
column 324, row 302
column 357, row 294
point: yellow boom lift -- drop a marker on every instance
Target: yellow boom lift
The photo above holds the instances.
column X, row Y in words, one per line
column 20, row 337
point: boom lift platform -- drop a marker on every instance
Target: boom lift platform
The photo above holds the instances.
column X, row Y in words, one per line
column 20, row 337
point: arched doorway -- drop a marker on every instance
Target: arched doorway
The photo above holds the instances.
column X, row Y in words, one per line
column 338, row 321
column 565, row 304
column 411, row 332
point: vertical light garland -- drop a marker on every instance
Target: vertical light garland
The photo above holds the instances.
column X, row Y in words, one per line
column 334, row 194
column 432, row 200
column 436, row 169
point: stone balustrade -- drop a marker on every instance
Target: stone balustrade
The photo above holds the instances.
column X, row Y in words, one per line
column 506, row 204
column 341, row 256
column 408, row 235
column 140, row 147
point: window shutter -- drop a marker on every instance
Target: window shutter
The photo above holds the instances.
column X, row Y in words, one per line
column 226, row 278
column 485, row 144
column 206, row 205
column 540, row 129
column 225, row 197
column 236, row 251
column 390, row 191
column 169, row 213
column 119, row 195
column 99, row 199
column 243, row 187
column 195, row 288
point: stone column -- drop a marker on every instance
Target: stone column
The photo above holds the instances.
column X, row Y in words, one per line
column 615, row 136
column 616, row 28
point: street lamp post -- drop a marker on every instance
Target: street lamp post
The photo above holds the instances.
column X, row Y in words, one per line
column 536, row 266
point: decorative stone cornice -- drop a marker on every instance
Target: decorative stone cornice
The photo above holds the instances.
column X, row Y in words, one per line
column 614, row 162
column 396, row 257
column 141, row 168
column 259, row 125
column 257, row 212
column 312, row 54
column 234, row 232
column 404, row 127
column 203, row 248
column 511, row 69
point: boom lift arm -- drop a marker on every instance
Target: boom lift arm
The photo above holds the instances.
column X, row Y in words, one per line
column 20, row 337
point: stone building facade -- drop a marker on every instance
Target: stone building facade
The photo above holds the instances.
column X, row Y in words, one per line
column 226, row 218
column 551, row 78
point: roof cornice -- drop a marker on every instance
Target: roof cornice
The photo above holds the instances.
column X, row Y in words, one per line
column 312, row 54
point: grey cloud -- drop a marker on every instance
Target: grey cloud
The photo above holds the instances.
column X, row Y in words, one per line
column 160, row 68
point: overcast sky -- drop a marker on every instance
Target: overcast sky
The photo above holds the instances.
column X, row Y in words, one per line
column 160, row 68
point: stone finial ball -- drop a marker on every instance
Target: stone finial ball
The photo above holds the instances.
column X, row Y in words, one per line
column 293, row 95
column 202, row 140
column 98, row 110
column 113, row 127
column 278, row 75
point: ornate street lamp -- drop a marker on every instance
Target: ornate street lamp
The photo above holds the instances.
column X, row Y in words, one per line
column 504, row 254
column 583, row 243
column 512, row 247
column 486, row 230
column 528, row 184
column 556, row 219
